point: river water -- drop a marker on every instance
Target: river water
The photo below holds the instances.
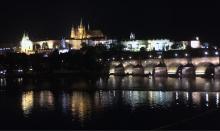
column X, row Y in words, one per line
column 109, row 103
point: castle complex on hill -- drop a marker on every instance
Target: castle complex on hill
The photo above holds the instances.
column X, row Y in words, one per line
column 81, row 34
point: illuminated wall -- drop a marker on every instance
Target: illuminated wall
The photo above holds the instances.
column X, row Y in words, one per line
column 149, row 45
column 134, row 45
column 52, row 44
column 195, row 44
column 159, row 45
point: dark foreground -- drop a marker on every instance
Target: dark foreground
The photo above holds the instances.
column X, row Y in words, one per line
column 109, row 103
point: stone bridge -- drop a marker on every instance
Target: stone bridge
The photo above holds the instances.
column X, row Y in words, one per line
column 174, row 66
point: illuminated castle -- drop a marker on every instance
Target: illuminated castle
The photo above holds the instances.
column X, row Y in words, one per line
column 82, row 33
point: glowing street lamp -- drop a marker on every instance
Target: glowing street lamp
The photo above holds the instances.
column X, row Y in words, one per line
column 186, row 54
column 175, row 54
column 216, row 53
column 206, row 53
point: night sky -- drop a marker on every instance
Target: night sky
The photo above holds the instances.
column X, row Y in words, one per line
column 116, row 18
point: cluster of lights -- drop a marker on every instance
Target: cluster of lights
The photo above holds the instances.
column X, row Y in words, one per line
column 160, row 56
column 20, row 70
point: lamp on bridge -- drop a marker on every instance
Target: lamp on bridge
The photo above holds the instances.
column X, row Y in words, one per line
column 206, row 53
column 175, row 54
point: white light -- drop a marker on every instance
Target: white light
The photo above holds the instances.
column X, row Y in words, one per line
column 216, row 53
column 206, row 53
column 113, row 58
column 45, row 55
column 130, row 57
column 186, row 54
column 176, row 54
column 20, row 70
column 207, row 97
column 159, row 56
column 62, row 51
column 150, row 56
column 122, row 58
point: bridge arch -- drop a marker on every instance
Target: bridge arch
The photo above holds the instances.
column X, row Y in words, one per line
column 138, row 70
column 203, row 69
column 217, row 71
column 129, row 69
column 148, row 69
column 160, row 70
column 117, row 70
column 174, row 69
column 188, row 70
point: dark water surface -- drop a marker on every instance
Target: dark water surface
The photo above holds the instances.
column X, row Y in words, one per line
column 109, row 103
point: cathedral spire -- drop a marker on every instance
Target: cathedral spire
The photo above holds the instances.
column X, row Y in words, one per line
column 88, row 27
column 81, row 23
column 72, row 35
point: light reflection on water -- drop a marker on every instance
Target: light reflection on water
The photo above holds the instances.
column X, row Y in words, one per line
column 82, row 104
column 132, row 93
column 158, row 83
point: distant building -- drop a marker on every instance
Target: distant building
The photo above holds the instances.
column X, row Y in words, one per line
column 180, row 45
column 132, row 36
column 82, row 33
column 148, row 45
column 63, row 47
column 26, row 45
column 134, row 45
column 159, row 45
column 195, row 43
column 78, row 35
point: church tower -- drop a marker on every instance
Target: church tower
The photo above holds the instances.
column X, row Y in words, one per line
column 73, row 34
column 81, row 31
column 26, row 44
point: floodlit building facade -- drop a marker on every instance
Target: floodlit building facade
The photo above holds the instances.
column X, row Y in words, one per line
column 26, row 45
